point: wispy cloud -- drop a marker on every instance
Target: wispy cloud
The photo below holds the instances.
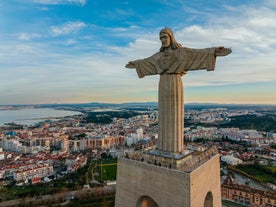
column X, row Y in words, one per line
column 83, row 60
column 67, row 28
column 43, row 8
column 56, row 2
column 27, row 36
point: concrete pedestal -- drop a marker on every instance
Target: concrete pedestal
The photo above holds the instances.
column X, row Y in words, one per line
column 140, row 184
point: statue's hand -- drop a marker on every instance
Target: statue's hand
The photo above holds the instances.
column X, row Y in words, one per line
column 130, row 65
column 222, row 51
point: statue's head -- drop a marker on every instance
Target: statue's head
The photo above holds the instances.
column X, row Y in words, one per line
column 167, row 39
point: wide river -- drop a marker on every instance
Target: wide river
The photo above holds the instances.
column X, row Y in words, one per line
column 33, row 115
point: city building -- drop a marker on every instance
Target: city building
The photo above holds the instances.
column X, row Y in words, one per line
column 230, row 160
column 247, row 196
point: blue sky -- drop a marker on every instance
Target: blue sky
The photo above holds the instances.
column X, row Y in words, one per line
column 74, row 51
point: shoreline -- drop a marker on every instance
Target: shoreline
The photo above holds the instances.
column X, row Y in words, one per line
column 32, row 116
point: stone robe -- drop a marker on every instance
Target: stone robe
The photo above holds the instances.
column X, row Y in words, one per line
column 171, row 65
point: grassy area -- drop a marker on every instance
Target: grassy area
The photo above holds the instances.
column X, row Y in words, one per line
column 272, row 169
column 263, row 173
column 104, row 201
column 13, row 192
column 106, row 169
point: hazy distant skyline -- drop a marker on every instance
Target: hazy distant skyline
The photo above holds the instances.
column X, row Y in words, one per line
column 74, row 51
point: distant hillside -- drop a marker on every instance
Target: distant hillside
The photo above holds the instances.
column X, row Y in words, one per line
column 188, row 106
column 266, row 123
column 257, row 107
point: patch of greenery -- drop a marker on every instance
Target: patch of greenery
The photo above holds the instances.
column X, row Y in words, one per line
column 104, row 201
column 13, row 192
column 261, row 123
column 105, row 117
column 265, row 123
column 263, row 173
column 106, row 169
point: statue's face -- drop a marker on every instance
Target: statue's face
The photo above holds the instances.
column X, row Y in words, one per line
column 165, row 39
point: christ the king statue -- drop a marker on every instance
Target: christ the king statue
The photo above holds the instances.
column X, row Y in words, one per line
column 171, row 62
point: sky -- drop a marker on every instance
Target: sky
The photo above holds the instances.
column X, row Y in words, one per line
column 75, row 51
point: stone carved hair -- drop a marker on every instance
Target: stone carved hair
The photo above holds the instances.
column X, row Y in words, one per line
column 174, row 44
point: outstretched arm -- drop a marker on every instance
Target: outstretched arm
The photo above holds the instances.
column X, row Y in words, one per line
column 143, row 67
column 202, row 59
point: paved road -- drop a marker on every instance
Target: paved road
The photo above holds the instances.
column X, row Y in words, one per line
column 242, row 179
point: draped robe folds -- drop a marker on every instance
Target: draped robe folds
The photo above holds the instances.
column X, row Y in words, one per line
column 171, row 65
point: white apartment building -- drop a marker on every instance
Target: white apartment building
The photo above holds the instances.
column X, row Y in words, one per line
column 33, row 171
column 133, row 138
column 240, row 135
column 231, row 160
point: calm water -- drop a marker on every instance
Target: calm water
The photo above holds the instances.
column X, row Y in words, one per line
column 32, row 116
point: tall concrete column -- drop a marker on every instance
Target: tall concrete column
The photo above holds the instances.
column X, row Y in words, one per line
column 171, row 114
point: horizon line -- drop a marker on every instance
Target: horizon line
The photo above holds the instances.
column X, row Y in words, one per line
column 132, row 102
